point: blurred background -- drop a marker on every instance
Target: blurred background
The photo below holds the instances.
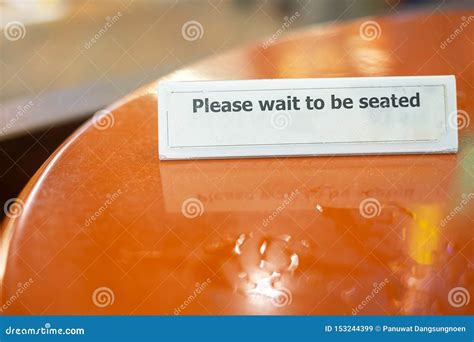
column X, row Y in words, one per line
column 61, row 61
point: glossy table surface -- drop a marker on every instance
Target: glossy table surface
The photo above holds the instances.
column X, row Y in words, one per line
column 104, row 227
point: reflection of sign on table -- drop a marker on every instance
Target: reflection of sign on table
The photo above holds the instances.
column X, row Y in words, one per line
column 256, row 186
column 223, row 119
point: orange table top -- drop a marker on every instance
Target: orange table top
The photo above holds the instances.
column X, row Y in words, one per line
column 104, row 227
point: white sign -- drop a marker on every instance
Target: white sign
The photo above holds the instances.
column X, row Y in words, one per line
column 296, row 117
